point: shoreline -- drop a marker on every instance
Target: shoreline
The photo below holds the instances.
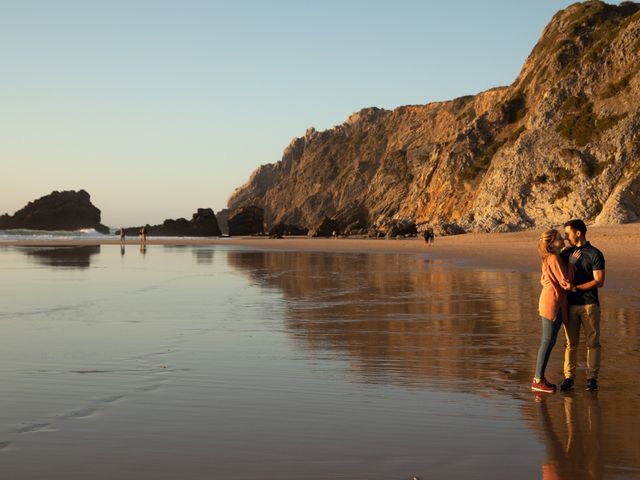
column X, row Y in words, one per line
column 513, row 251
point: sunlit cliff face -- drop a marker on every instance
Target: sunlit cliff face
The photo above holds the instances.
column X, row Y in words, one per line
column 505, row 159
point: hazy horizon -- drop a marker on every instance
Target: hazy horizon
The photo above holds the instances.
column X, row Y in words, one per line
column 158, row 108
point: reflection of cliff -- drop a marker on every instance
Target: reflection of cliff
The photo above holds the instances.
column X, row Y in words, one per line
column 587, row 437
column 77, row 257
column 402, row 318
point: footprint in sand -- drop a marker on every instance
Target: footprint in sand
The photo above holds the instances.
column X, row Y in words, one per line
column 111, row 399
column 37, row 427
column 149, row 388
column 82, row 413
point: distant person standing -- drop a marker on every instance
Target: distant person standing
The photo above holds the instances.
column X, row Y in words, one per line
column 143, row 235
column 122, row 235
column 428, row 237
column 584, row 306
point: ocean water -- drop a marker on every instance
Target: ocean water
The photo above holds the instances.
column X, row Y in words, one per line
column 27, row 234
column 221, row 362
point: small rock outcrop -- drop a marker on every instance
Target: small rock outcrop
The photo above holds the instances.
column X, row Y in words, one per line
column 67, row 210
column 222, row 216
column 246, row 221
column 281, row 229
column 203, row 224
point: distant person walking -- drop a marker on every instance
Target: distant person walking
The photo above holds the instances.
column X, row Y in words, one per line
column 584, row 306
column 143, row 235
column 428, row 236
column 552, row 305
column 122, row 235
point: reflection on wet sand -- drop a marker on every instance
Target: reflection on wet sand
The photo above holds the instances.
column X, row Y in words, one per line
column 75, row 257
column 203, row 256
column 400, row 319
column 587, row 437
column 404, row 319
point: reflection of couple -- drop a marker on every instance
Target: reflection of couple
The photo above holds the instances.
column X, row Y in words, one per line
column 570, row 281
column 573, row 451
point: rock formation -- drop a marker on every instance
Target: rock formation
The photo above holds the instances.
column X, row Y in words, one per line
column 328, row 227
column 282, row 229
column 248, row 220
column 203, row 224
column 222, row 216
column 562, row 141
column 66, row 210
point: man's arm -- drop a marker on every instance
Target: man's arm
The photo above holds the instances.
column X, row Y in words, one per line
column 597, row 282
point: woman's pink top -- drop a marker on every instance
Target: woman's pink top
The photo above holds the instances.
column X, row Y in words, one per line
column 555, row 283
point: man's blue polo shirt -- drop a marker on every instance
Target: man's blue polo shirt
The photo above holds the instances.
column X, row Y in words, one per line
column 591, row 259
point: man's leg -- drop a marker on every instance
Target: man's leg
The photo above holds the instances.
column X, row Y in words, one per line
column 591, row 325
column 572, row 334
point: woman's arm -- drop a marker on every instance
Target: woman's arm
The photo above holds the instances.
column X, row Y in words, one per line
column 556, row 270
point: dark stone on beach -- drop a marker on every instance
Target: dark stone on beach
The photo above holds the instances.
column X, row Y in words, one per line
column 67, row 210
column 327, row 228
column 205, row 224
column 202, row 224
column 392, row 228
column 353, row 219
column 281, row 229
column 222, row 216
column 246, row 221
column 444, row 229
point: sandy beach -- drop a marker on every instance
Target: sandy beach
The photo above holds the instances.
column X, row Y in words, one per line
column 511, row 251
column 259, row 358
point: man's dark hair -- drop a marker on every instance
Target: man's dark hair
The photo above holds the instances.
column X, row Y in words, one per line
column 577, row 225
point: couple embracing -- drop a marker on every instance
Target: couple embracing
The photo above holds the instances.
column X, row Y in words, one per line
column 570, row 280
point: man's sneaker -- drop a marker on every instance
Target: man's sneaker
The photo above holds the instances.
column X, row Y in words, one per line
column 566, row 385
column 541, row 386
column 592, row 384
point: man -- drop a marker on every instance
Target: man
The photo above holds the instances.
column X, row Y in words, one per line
column 584, row 306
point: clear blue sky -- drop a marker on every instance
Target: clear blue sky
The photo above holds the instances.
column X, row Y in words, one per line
column 159, row 107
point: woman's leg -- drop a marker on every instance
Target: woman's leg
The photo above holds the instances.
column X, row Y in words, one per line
column 550, row 331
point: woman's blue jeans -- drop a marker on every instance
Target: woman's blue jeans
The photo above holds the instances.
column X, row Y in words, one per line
column 550, row 331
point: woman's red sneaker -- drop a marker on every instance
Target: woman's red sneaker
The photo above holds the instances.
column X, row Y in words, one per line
column 542, row 386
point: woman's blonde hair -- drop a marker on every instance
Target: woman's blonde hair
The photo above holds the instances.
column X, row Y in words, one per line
column 544, row 244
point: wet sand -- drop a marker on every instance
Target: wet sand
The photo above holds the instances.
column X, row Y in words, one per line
column 510, row 251
column 257, row 358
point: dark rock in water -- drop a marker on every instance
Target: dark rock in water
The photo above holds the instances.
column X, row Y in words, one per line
column 202, row 224
column 246, row 221
column 327, row 228
column 66, row 210
column 282, row 229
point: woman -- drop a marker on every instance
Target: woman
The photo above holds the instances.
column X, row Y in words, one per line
column 552, row 306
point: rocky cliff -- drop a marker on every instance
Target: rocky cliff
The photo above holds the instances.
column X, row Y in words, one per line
column 562, row 141
column 67, row 210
